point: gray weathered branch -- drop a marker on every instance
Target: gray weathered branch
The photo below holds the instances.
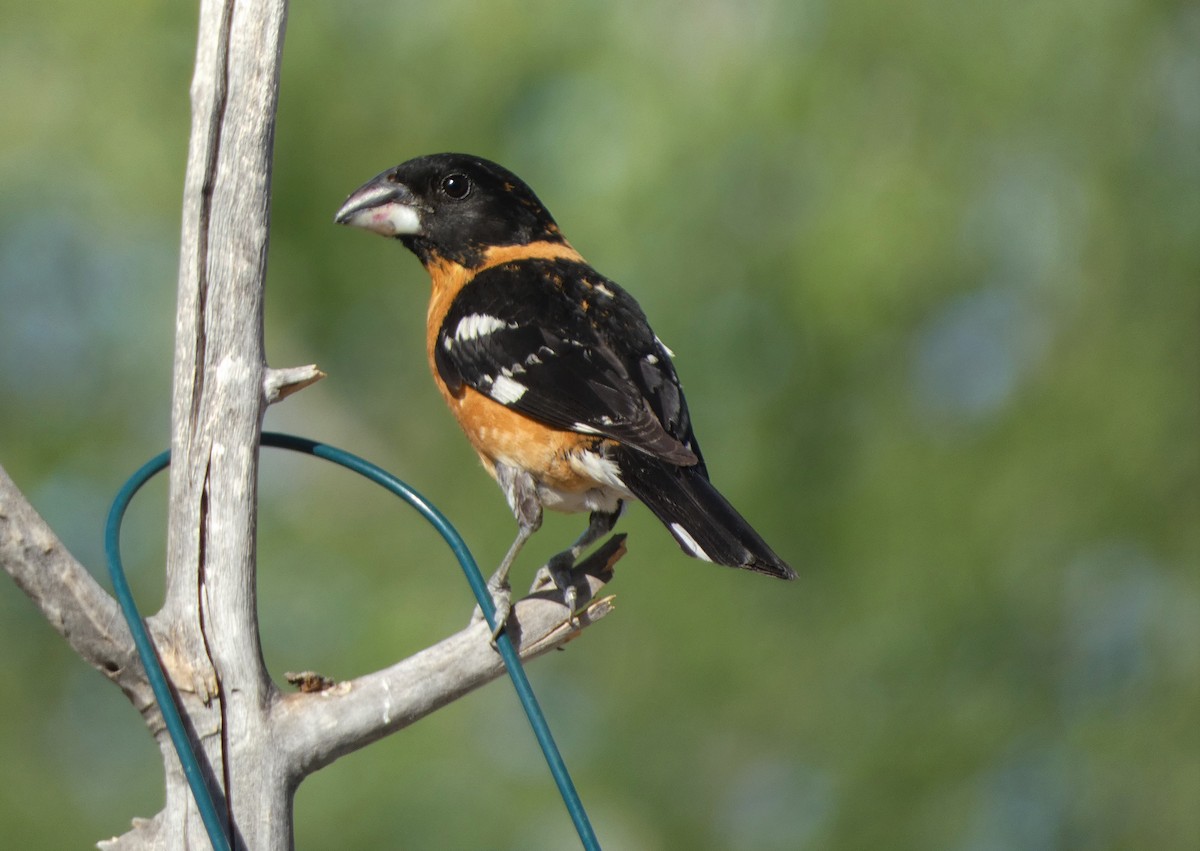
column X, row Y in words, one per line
column 317, row 728
column 278, row 384
column 70, row 599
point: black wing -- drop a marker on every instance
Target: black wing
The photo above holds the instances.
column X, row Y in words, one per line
column 563, row 345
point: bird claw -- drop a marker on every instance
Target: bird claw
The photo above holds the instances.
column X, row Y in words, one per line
column 558, row 572
column 501, row 595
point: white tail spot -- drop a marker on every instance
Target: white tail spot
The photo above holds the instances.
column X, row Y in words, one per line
column 689, row 543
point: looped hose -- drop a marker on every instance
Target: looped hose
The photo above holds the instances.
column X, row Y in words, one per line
column 214, row 817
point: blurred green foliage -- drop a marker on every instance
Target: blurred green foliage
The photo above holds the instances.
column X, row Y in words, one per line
column 932, row 272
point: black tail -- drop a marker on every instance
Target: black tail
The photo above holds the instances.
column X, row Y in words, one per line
column 703, row 522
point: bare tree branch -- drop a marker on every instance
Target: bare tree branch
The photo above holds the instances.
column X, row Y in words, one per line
column 218, row 402
column 70, row 599
column 317, row 728
column 278, row 384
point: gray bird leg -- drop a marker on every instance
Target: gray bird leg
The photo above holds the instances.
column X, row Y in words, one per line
column 521, row 492
column 559, row 567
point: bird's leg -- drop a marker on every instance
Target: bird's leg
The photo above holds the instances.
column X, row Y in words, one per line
column 559, row 567
column 521, row 492
column 498, row 585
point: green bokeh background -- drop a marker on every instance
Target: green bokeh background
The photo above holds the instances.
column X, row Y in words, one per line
column 932, row 273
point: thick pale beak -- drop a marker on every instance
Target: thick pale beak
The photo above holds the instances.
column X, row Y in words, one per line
column 382, row 206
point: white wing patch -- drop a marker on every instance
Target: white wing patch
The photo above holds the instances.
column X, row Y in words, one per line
column 689, row 543
column 664, row 347
column 584, row 428
column 479, row 325
column 506, row 390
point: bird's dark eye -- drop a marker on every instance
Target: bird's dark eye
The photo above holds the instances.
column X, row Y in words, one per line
column 456, row 186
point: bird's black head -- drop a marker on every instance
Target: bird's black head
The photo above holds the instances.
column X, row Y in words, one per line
column 451, row 206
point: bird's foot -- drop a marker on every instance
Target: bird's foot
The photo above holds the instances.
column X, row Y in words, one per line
column 501, row 594
column 558, row 571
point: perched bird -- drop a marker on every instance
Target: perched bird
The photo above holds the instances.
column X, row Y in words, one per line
column 551, row 369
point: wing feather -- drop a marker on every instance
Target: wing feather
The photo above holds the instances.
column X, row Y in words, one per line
column 562, row 345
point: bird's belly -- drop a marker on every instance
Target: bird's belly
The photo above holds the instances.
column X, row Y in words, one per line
column 570, row 469
column 602, row 499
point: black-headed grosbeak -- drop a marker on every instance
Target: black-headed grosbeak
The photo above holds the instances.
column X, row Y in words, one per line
column 551, row 369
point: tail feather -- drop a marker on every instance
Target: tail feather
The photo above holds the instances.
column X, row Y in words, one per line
column 702, row 521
